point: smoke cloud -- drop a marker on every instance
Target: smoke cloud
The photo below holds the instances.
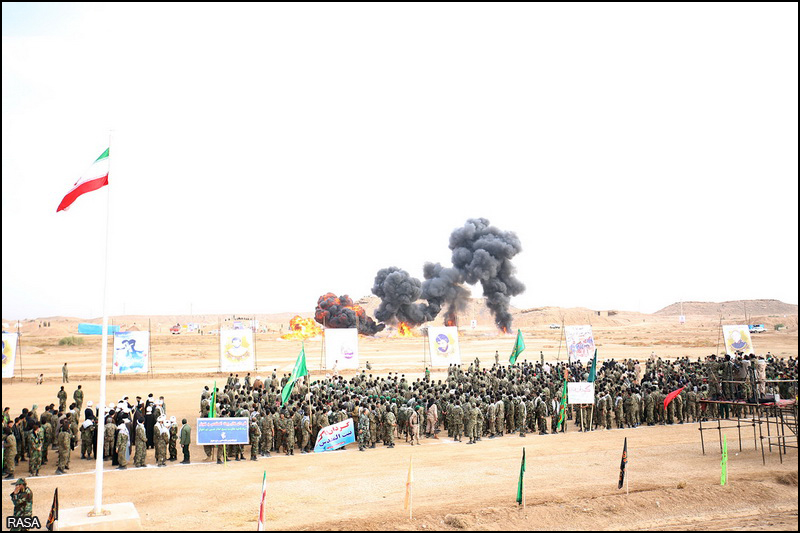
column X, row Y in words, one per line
column 340, row 312
column 481, row 254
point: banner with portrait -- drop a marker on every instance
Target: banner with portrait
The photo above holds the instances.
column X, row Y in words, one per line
column 341, row 348
column 131, row 352
column 580, row 344
column 737, row 339
column 236, row 350
column 443, row 342
column 9, row 354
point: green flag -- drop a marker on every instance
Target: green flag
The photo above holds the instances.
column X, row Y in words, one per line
column 562, row 409
column 211, row 413
column 299, row 371
column 518, row 347
column 723, row 480
column 593, row 371
column 521, row 474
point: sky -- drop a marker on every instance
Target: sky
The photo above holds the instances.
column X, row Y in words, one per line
column 265, row 154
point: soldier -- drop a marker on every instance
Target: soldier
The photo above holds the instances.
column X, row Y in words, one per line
column 141, row 445
column 627, row 405
column 691, row 405
column 458, row 421
column 78, row 397
column 255, row 434
column 649, row 407
column 122, row 446
column 22, row 498
column 413, row 426
column 161, row 441
column 186, row 439
column 500, row 417
column 64, row 374
column 431, row 419
column 363, row 430
column 635, row 403
column 305, row 434
column 541, row 412
column 391, row 423
column 474, row 413
column 521, row 411
column 619, row 413
column 173, row 439
column 36, row 440
column 62, row 399
column 108, row 439
column 9, row 451
column 87, row 434
column 63, row 448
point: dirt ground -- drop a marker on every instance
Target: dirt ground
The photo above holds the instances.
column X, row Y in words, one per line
column 571, row 478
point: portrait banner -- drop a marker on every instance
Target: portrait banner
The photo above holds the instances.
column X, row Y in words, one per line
column 131, row 352
column 341, row 348
column 335, row 436
column 737, row 339
column 236, row 350
column 580, row 392
column 580, row 343
column 223, row 430
column 443, row 342
column 9, row 354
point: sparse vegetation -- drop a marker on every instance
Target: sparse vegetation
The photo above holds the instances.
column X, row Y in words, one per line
column 779, row 327
column 71, row 341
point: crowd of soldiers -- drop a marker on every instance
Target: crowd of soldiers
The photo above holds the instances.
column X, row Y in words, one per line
column 468, row 404
column 30, row 436
column 475, row 403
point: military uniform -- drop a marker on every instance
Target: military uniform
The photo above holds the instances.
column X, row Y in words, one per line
column 161, row 441
column 37, row 441
column 62, row 400
column 23, row 502
column 122, row 449
column 255, row 439
column 141, row 446
column 63, row 451
column 9, row 453
column 363, row 432
column 173, row 442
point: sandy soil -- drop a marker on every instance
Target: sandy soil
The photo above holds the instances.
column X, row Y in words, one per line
column 571, row 478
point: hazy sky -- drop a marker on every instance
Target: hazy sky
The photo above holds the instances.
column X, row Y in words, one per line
column 265, row 154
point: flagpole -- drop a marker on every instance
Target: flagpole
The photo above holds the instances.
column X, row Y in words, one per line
column 98, row 484
column 627, row 473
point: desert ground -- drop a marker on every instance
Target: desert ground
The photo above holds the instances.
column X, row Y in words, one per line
column 571, row 478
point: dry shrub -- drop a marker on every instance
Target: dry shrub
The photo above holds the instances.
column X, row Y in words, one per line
column 789, row 478
column 457, row 521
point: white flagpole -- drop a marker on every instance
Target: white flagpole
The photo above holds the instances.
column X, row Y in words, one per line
column 98, row 483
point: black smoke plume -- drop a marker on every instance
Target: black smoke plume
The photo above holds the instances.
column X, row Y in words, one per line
column 340, row 312
column 481, row 253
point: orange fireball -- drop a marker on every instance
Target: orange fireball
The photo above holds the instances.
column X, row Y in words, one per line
column 302, row 328
column 403, row 330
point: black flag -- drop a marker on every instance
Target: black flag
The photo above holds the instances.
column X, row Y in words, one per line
column 623, row 464
column 53, row 518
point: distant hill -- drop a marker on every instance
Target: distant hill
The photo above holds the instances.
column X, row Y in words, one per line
column 731, row 310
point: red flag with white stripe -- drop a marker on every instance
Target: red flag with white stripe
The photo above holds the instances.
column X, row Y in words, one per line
column 91, row 180
column 262, row 512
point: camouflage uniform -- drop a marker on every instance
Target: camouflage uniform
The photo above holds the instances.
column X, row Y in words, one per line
column 108, row 440
column 23, row 503
column 173, row 442
column 363, row 432
column 9, row 452
column 63, row 451
column 87, row 434
column 37, row 441
column 391, row 422
column 255, row 439
column 122, row 449
column 141, row 446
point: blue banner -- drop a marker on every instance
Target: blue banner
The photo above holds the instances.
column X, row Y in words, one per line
column 85, row 328
column 335, row 436
column 223, row 431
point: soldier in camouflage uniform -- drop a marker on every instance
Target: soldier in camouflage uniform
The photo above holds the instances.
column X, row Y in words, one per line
column 108, row 439
column 458, row 421
column 37, row 441
column 500, row 420
column 141, row 446
column 173, row 439
column 255, row 438
column 9, row 452
column 63, row 449
column 521, row 412
column 363, row 431
column 161, row 442
column 122, row 447
column 649, row 407
column 22, row 498
column 305, row 434
column 87, row 434
column 391, row 423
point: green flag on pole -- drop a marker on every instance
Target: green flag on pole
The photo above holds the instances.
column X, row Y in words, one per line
column 299, row 371
column 562, row 409
column 593, row 371
column 723, row 480
column 518, row 347
column 521, row 474
column 211, row 412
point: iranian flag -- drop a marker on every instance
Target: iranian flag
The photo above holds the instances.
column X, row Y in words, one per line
column 262, row 510
column 91, row 180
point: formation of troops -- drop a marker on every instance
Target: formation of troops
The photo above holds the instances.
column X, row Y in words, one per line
column 128, row 429
column 469, row 404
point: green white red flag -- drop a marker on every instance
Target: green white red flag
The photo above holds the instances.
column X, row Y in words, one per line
column 91, row 180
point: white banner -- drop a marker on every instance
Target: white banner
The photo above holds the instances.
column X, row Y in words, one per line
column 131, row 352
column 580, row 343
column 236, row 350
column 341, row 348
column 737, row 339
column 580, row 392
column 444, row 346
column 9, row 354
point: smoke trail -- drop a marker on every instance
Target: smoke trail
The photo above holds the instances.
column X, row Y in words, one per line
column 340, row 312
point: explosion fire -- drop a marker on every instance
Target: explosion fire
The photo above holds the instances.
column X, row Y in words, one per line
column 302, row 328
column 403, row 330
column 340, row 312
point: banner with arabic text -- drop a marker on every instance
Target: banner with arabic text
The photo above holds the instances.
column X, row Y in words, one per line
column 335, row 436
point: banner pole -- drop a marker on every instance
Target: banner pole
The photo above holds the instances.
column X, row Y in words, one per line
column 19, row 349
